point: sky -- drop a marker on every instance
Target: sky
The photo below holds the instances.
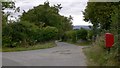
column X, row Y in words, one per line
column 70, row 7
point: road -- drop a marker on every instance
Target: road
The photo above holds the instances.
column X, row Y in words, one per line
column 63, row 54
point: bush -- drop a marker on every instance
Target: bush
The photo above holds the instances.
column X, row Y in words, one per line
column 50, row 33
column 6, row 36
column 75, row 35
column 98, row 54
column 82, row 34
column 71, row 36
column 90, row 34
column 44, row 34
column 24, row 34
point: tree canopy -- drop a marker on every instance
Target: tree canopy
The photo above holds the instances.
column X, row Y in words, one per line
column 40, row 24
column 105, row 17
column 100, row 13
column 47, row 15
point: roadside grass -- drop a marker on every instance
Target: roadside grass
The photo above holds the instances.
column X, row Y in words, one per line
column 97, row 54
column 34, row 47
column 85, row 43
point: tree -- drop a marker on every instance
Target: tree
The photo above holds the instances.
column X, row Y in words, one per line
column 70, row 36
column 41, row 13
column 100, row 15
column 105, row 16
column 5, row 15
column 8, row 5
column 49, row 16
column 82, row 34
column 40, row 24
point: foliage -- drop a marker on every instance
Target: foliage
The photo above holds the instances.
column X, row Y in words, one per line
column 98, row 55
column 74, row 35
column 17, row 33
column 40, row 24
column 90, row 35
column 49, row 16
column 99, row 14
column 25, row 33
column 105, row 18
column 49, row 44
column 70, row 36
column 82, row 34
column 50, row 32
column 8, row 5
column 46, row 34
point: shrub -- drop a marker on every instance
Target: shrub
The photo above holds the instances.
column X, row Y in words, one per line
column 98, row 55
column 90, row 34
column 82, row 34
column 49, row 33
column 71, row 35
column 45, row 34
column 24, row 34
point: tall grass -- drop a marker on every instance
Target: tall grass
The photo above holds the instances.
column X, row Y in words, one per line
column 98, row 55
column 35, row 47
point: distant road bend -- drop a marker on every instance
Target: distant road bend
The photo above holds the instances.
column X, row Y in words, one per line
column 63, row 54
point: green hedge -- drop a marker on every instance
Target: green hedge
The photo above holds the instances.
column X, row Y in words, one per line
column 25, row 34
column 46, row 34
column 82, row 34
column 75, row 35
column 71, row 36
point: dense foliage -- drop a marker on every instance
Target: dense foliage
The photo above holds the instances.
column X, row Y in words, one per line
column 82, row 34
column 75, row 35
column 70, row 36
column 40, row 24
column 105, row 18
column 25, row 33
column 48, row 16
column 102, row 15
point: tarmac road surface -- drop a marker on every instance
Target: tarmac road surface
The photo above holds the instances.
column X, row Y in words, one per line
column 63, row 54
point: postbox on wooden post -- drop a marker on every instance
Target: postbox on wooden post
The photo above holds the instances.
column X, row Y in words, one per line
column 109, row 40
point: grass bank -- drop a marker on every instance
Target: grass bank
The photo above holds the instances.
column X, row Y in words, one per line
column 97, row 54
column 34, row 47
column 85, row 43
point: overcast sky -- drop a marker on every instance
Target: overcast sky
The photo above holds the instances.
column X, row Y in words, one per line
column 70, row 7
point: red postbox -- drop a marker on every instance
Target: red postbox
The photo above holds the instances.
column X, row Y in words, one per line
column 109, row 40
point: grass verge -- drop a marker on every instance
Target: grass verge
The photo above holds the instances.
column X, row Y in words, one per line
column 97, row 54
column 34, row 47
column 86, row 43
